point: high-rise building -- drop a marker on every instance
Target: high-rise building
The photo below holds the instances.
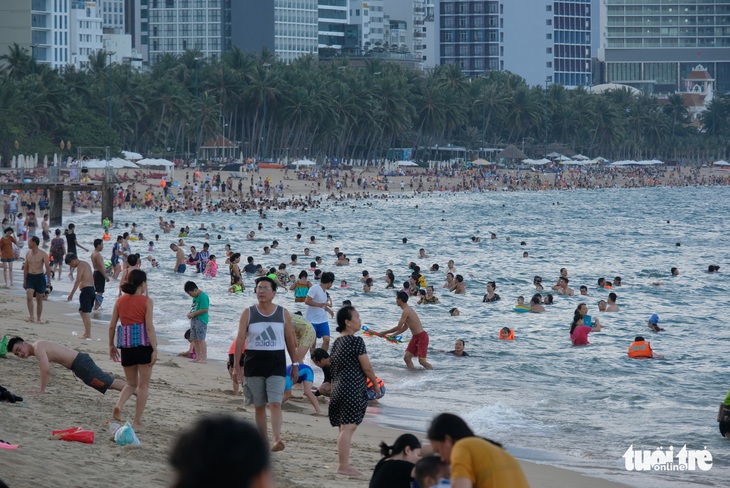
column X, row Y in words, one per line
column 41, row 26
column 654, row 45
column 428, row 52
column 332, row 23
column 86, row 34
column 114, row 16
column 547, row 41
column 370, row 20
column 287, row 29
column 176, row 26
column 136, row 24
column 469, row 35
column 15, row 25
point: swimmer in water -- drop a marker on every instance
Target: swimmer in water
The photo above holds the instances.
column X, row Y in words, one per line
column 458, row 287
column 454, row 312
column 612, row 307
column 536, row 305
column 584, row 290
column 537, row 281
column 459, row 349
column 602, row 305
column 654, row 324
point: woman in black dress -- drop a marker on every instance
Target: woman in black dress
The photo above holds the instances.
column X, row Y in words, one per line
column 350, row 368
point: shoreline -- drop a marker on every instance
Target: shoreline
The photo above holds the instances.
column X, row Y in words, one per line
column 180, row 391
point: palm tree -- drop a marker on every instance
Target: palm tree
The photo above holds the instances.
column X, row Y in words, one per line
column 715, row 118
column 676, row 110
column 18, row 63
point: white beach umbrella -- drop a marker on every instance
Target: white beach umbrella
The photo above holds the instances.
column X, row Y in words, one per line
column 721, row 163
column 406, row 163
column 304, row 162
column 132, row 156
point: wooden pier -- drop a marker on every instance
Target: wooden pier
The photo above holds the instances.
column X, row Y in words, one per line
column 55, row 193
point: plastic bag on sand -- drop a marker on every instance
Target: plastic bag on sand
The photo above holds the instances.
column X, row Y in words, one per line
column 125, row 436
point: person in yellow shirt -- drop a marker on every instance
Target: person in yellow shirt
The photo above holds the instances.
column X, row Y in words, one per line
column 476, row 462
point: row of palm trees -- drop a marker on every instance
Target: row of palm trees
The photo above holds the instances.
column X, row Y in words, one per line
column 317, row 109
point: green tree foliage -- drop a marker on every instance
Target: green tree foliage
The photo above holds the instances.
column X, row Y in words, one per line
column 330, row 109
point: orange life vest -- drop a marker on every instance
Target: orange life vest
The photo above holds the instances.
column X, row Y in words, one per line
column 508, row 337
column 370, row 383
column 640, row 349
column 106, row 236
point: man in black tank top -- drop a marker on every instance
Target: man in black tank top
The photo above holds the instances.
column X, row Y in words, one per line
column 266, row 328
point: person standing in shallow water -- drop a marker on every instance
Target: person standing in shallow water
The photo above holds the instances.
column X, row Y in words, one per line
column 418, row 346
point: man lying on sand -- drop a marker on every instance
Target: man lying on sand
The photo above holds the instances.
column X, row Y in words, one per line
column 47, row 352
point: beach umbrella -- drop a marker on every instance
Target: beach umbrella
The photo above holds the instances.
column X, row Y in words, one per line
column 407, row 163
column 580, row 157
column 554, row 155
column 132, row 156
column 304, row 162
column 721, row 163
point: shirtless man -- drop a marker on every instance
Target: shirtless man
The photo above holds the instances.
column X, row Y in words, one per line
column 34, row 283
column 47, row 352
column 422, row 253
column 562, row 287
column 179, row 259
column 418, row 345
column 45, row 230
column 458, row 287
column 87, row 296
column 611, row 306
column 100, row 276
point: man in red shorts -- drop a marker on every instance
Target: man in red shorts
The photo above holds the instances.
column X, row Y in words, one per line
column 409, row 320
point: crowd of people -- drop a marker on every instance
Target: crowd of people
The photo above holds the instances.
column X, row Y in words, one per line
column 268, row 333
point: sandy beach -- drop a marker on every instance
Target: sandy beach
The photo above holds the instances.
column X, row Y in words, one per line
column 180, row 393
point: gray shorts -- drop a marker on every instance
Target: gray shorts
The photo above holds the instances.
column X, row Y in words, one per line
column 261, row 390
column 198, row 329
column 87, row 371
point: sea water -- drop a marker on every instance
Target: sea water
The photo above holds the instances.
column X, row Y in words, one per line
column 579, row 407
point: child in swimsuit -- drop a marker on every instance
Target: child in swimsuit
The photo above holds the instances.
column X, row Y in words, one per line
column 211, row 269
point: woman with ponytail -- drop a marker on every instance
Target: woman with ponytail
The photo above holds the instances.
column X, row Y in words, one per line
column 395, row 470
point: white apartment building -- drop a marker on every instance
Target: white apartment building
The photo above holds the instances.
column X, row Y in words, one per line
column 85, row 32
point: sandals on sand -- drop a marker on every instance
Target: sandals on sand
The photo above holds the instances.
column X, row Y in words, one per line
column 7, row 445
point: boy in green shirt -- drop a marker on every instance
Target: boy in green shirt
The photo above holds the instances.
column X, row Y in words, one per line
column 198, row 320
